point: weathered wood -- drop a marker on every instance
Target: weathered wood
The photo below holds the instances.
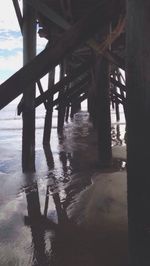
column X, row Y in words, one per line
column 138, row 130
column 67, row 113
column 50, row 57
column 61, row 106
column 92, row 98
column 107, row 54
column 75, row 75
column 41, row 92
column 29, row 52
column 75, row 93
column 115, row 100
column 49, row 110
column 118, row 84
column 80, row 98
column 114, row 59
column 62, row 23
column 49, row 13
column 68, row 93
column 117, row 96
column 103, row 122
column 123, row 94
column 78, row 86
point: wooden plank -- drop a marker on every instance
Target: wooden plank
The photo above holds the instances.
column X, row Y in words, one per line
column 76, row 74
column 66, row 80
column 102, row 112
column 61, row 22
column 50, row 57
column 49, row 13
column 49, row 111
column 138, row 129
column 41, row 92
column 81, row 98
column 75, row 90
column 62, row 107
column 118, row 84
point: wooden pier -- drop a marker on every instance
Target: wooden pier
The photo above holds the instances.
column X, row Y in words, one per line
column 93, row 42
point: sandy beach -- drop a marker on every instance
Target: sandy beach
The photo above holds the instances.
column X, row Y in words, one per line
column 69, row 212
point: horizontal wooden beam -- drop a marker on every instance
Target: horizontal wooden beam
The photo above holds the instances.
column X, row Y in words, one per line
column 65, row 81
column 76, row 89
column 81, row 98
column 92, row 22
column 114, row 59
column 49, row 13
column 75, row 75
column 118, row 84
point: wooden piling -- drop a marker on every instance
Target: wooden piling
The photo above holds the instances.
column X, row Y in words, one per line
column 67, row 113
column 116, row 101
column 29, row 52
column 138, row 130
column 49, row 110
column 92, row 98
column 61, row 106
column 103, row 122
column 49, row 58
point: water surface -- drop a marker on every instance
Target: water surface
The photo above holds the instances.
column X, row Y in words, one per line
column 36, row 226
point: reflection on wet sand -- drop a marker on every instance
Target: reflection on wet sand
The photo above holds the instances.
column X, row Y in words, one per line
column 91, row 226
column 70, row 212
column 35, row 221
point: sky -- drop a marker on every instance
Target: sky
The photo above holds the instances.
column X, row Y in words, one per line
column 11, row 45
column 11, row 41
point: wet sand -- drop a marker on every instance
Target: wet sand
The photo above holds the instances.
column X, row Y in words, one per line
column 70, row 212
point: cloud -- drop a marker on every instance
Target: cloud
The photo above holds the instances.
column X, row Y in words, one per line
column 11, row 62
column 8, row 19
column 10, row 40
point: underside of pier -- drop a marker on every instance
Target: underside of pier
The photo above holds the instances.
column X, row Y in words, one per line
column 102, row 50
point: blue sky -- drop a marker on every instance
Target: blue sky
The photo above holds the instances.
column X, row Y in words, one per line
column 11, row 41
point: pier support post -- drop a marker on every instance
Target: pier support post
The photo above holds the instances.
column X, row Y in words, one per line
column 138, row 130
column 103, row 122
column 29, row 52
column 92, row 99
column 62, row 105
column 49, row 110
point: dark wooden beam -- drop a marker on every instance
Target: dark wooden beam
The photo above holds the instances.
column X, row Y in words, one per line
column 80, row 98
column 93, row 21
column 29, row 52
column 102, row 112
column 75, row 75
column 118, row 84
column 49, row 110
column 138, row 130
column 74, row 91
column 62, row 107
column 49, row 13
column 65, row 81
column 41, row 93
column 114, row 59
column 85, row 81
